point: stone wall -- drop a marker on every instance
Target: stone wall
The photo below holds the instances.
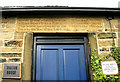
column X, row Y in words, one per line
column 13, row 43
column 105, row 38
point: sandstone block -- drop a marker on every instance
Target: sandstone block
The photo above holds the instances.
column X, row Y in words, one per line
column 1, row 43
column 106, row 35
column 105, row 43
column 6, row 35
column 119, row 35
column 10, row 54
column 14, row 60
column 13, row 43
column 113, row 21
column 7, row 30
column 10, row 49
column 113, row 30
column 104, row 49
column 104, row 53
column 110, row 59
column 11, row 20
column 118, row 42
column 5, row 20
column 1, row 75
column 0, row 66
column 2, row 25
column 10, row 26
column 108, row 26
column 18, row 35
column 2, row 60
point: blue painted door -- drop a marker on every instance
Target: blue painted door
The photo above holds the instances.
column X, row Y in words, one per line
column 60, row 62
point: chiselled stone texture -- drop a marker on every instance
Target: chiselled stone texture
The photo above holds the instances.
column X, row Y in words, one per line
column 0, row 66
column 114, row 23
column 10, row 54
column 1, row 42
column 119, row 35
column 105, row 42
column 104, row 49
column 10, row 25
column 14, row 60
column 2, row 25
column 59, row 24
column 106, row 35
column 18, row 35
column 92, row 43
column 105, row 38
column 104, row 53
column 2, row 60
column 6, row 35
column 27, row 60
column 4, row 20
column 7, row 30
column 110, row 59
column 12, row 80
column 118, row 42
column 0, row 75
column 10, row 49
column 113, row 30
column 0, row 72
column 10, row 20
column 13, row 43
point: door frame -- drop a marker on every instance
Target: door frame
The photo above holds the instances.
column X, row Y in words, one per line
column 58, row 39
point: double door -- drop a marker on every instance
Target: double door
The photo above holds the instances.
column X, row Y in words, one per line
column 60, row 62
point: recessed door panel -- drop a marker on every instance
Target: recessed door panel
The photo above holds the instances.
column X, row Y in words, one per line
column 60, row 62
column 71, row 64
column 49, row 62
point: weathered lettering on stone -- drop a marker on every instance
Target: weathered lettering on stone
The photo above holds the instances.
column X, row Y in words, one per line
column 54, row 24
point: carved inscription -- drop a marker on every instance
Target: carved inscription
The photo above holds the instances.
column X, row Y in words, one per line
column 61, row 24
column 12, row 70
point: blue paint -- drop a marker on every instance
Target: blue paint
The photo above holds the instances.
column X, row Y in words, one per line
column 60, row 62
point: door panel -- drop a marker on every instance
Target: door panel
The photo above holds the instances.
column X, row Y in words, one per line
column 83, row 64
column 71, row 65
column 49, row 64
column 60, row 62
